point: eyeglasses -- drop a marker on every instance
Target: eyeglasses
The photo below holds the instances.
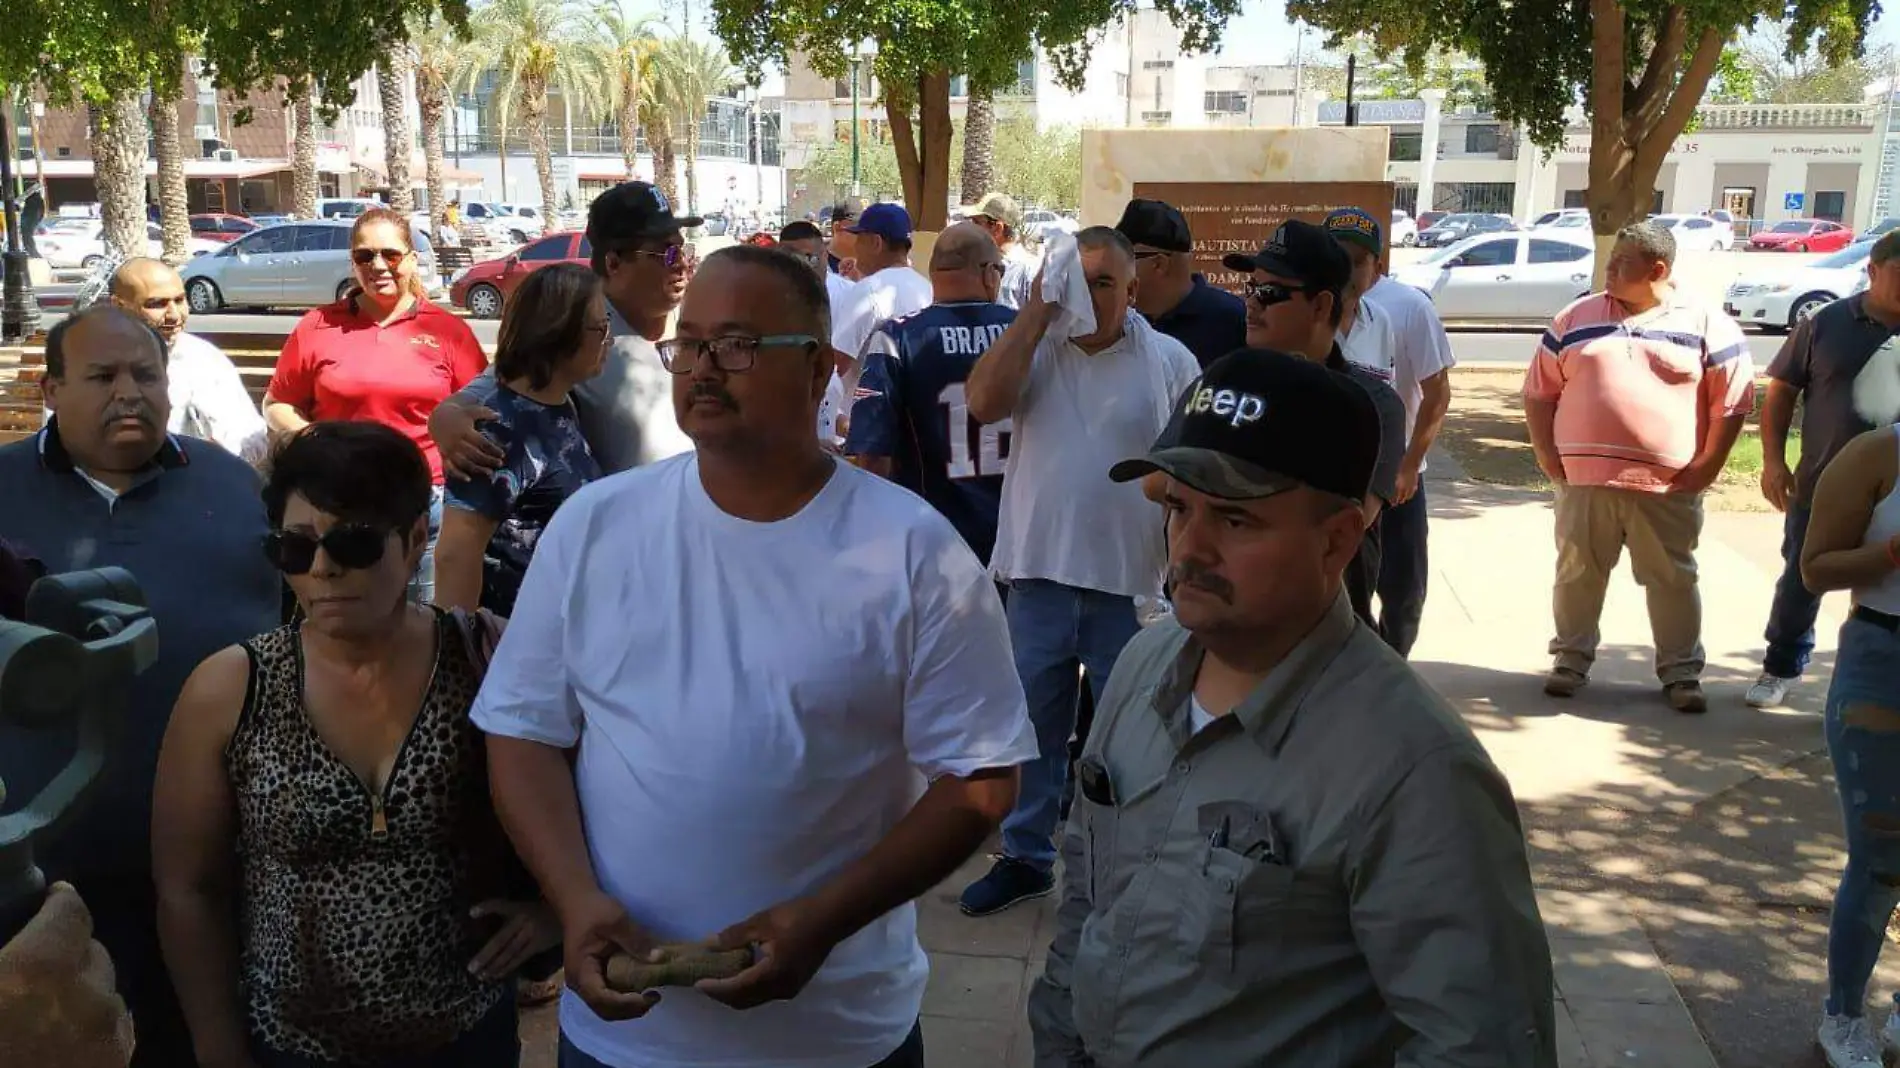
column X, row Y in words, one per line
column 1147, row 254
column 731, row 354
column 672, row 255
column 363, row 257
column 1267, row 294
column 604, row 329
column 350, row 545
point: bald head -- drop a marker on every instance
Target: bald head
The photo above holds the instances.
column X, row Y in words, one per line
column 152, row 290
column 965, row 264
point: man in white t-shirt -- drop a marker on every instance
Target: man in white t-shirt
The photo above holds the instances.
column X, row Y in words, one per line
column 1075, row 547
column 773, row 745
column 888, row 285
column 1406, row 346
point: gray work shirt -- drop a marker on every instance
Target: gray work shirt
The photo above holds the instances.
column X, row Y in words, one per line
column 1332, row 876
column 1822, row 359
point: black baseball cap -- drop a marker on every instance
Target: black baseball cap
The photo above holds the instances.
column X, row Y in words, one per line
column 1300, row 251
column 1157, row 224
column 633, row 211
column 1258, row 423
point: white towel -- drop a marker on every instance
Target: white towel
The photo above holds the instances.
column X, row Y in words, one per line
column 1065, row 287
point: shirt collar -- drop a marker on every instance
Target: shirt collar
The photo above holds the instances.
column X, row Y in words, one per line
column 54, row 457
column 1268, row 712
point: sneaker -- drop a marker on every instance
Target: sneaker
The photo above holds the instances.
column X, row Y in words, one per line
column 1769, row 691
column 1686, row 697
column 1009, row 882
column 1848, row 1043
column 1564, row 682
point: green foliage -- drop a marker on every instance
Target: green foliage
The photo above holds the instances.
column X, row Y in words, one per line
column 828, row 168
column 1762, row 69
column 1036, row 167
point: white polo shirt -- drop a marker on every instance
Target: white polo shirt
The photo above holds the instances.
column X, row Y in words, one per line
column 755, row 708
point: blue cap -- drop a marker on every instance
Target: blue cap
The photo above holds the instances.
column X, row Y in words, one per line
column 888, row 221
column 1357, row 226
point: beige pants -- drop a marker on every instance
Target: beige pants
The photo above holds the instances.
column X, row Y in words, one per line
column 1594, row 523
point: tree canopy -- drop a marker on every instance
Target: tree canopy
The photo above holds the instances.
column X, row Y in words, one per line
column 1397, row 76
column 1759, row 69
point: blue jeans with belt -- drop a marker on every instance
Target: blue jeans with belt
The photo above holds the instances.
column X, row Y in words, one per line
column 1863, row 740
column 422, row 583
column 1403, row 567
column 1791, row 620
column 908, row 1055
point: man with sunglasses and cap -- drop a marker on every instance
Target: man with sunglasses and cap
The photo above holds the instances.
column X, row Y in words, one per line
column 1296, row 301
column 103, row 485
column 1176, row 298
column 626, row 412
column 998, row 216
column 1286, row 848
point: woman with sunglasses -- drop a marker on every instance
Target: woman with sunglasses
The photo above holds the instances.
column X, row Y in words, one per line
column 334, row 889
column 554, row 336
column 383, row 353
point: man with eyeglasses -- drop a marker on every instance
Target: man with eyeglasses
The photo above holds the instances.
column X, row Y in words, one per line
column 707, row 723
column 1210, row 321
column 104, row 485
column 644, row 259
column 911, row 422
column 1295, row 303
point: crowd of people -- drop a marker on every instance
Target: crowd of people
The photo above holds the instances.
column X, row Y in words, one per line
column 740, row 602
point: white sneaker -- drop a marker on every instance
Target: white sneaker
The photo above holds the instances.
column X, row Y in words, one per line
column 1769, row 691
column 1848, row 1042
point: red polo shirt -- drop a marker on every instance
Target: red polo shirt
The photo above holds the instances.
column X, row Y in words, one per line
column 339, row 365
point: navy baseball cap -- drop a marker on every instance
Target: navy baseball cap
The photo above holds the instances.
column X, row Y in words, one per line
column 1258, row 423
column 1157, row 224
column 632, row 211
column 888, row 221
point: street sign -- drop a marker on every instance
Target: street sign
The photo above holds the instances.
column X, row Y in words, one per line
column 1793, row 201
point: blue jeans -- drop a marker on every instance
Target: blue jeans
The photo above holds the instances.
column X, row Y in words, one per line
column 1791, row 620
column 494, row 1042
column 1403, row 568
column 422, row 583
column 1863, row 740
column 908, row 1055
column 1053, row 629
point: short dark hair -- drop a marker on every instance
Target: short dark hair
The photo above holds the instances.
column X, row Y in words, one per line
column 543, row 323
column 807, row 289
column 1100, row 237
column 56, row 337
column 800, row 230
column 1656, row 243
column 1886, row 247
column 358, row 471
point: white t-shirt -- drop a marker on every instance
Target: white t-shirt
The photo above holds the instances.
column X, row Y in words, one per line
column 1062, row 519
column 1420, row 347
column 889, row 293
column 754, row 711
column 209, row 401
column 829, row 409
column 838, row 288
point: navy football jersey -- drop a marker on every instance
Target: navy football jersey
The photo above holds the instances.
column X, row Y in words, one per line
column 909, row 406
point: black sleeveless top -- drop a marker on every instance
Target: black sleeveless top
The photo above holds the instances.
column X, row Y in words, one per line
column 355, row 931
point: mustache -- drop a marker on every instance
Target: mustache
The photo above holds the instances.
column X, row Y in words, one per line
column 138, row 410
column 1202, row 579
column 711, row 391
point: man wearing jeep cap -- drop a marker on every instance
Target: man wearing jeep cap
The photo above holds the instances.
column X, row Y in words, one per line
column 1286, row 849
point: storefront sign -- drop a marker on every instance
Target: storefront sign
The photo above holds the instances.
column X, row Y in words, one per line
column 1239, row 216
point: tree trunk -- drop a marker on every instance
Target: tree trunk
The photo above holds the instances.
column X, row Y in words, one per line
column 692, row 165
column 118, row 159
column 392, row 79
column 660, row 143
column 629, row 123
column 174, row 210
column 534, row 115
column 432, row 102
column 303, row 167
column 1633, row 125
column 979, row 147
column 923, row 155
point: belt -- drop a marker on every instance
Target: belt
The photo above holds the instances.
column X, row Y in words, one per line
column 1884, row 620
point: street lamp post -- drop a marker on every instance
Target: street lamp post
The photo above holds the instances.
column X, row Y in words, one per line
column 19, row 309
column 857, row 60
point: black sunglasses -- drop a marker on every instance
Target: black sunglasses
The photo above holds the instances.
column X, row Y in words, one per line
column 1267, row 294
column 363, row 257
column 350, row 545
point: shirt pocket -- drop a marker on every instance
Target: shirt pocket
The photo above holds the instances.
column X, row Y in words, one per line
column 1234, row 906
column 1672, row 364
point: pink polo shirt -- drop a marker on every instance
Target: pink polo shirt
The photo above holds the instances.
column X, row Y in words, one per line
column 1635, row 393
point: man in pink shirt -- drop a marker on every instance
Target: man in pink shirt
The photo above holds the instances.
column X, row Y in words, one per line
column 1633, row 401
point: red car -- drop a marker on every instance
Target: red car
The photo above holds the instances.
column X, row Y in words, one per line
column 483, row 288
column 221, row 228
column 1802, row 235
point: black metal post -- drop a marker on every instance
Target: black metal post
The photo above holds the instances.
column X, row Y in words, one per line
column 1352, row 109
column 19, row 308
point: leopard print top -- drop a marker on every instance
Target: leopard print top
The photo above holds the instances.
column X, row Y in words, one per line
column 355, row 921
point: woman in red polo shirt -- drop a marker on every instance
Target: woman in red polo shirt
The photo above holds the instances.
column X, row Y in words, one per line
column 383, row 354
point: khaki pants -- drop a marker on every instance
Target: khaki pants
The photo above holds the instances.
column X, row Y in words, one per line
column 1594, row 523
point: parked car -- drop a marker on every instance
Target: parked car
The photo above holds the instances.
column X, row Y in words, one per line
column 1515, row 277
column 1428, row 219
column 715, row 225
column 1404, row 231
column 1802, row 235
column 221, row 228
column 1778, row 298
column 294, row 265
column 503, row 227
column 486, row 286
column 1697, row 233
column 1455, row 228
column 1575, row 224
column 1550, row 218
column 1877, row 230
column 84, row 247
column 346, row 207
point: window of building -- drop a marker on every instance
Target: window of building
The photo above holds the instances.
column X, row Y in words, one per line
column 1482, row 138
column 1407, row 146
column 1121, row 85
column 1273, row 92
column 1405, row 197
column 1224, row 102
column 1830, row 205
column 1157, row 92
column 1488, row 197
column 1156, row 118
column 1157, row 64
column 1573, row 198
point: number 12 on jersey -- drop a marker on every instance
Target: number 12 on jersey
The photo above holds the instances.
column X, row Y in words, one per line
column 992, row 441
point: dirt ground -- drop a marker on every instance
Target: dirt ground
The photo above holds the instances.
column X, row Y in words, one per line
column 1485, row 433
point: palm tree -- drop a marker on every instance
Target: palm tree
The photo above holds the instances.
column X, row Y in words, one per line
column 168, row 95
column 657, row 95
column 535, row 45
column 627, row 46
column 697, row 71
column 392, row 82
column 441, row 57
column 979, row 144
column 303, row 167
column 118, row 159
